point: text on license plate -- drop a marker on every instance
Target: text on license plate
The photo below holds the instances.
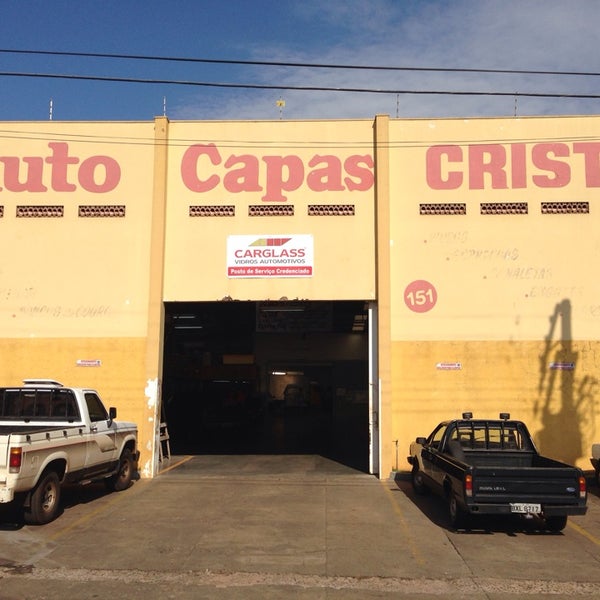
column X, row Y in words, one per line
column 523, row 507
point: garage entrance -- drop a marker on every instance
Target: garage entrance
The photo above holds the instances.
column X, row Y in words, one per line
column 268, row 378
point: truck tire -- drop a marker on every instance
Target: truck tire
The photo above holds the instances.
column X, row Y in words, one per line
column 121, row 480
column 44, row 500
column 556, row 524
column 458, row 517
column 417, row 480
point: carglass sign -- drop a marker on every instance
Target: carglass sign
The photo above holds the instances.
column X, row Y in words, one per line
column 270, row 256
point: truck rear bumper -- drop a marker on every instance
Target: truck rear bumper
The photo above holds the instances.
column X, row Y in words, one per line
column 550, row 510
column 6, row 495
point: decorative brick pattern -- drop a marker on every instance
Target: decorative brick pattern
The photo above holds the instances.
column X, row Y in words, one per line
column 443, row 209
column 40, row 212
column 271, row 210
column 562, row 208
column 504, row 208
column 102, row 211
column 212, row 211
column 331, row 210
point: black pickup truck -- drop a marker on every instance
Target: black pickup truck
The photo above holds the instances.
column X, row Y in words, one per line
column 492, row 467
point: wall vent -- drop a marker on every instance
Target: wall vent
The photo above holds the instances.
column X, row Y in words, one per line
column 212, row 211
column 1, row 211
column 443, row 209
column 563, row 208
column 331, row 210
column 503, row 208
column 270, row 210
column 34, row 212
column 102, row 211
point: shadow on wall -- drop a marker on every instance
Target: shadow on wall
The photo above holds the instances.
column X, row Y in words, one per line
column 565, row 404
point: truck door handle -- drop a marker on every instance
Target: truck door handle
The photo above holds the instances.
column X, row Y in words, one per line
column 93, row 428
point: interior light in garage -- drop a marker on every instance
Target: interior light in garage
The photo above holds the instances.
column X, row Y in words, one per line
column 287, row 372
column 186, row 322
column 283, row 308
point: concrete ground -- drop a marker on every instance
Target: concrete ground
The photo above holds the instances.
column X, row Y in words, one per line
column 299, row 527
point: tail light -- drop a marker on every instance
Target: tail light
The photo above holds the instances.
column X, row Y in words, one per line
column 15, row 459
column 582, row 488
column 468, row 485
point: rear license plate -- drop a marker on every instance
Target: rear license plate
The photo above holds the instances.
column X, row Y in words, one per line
column 525, row 508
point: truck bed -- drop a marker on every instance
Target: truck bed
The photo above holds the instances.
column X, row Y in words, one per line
column 507, row 459
column 27, row 429
column 517, row 476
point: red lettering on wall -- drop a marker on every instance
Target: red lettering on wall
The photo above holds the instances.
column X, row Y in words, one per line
column 244, row 179
column 515, row 166
column 62, row 172
column 439, row 177
column 33, row 180
column 189, row 167
column 591, row 153
column 490, row 159
column 60, row 161
column 283, row 173
column 88, row 170
column 360, row 173
column 518, row 166
column 203, row 169
column 327, row 178
column 541, row 159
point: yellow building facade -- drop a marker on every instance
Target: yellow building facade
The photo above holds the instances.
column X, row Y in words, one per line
column 469, row 241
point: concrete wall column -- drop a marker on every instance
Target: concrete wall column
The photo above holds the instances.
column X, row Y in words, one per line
column 155, row 334
column 382, row 224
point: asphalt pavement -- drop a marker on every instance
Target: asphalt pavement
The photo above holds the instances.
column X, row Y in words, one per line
column 288, row 526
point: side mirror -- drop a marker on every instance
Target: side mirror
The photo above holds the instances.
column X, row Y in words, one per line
column 112, row 414
column 421, row 440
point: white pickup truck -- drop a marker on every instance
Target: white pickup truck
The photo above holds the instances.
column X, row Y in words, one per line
column 51, row 434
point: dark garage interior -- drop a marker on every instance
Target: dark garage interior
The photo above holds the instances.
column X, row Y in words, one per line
column 288, row 377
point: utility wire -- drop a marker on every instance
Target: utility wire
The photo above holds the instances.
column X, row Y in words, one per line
column 294, row 64
column 311, row 88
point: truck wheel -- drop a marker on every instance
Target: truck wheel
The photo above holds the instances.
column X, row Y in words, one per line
column 458, row 517
column 417, row 481
column 121, row 480
column 44, row 500
column 556, row 524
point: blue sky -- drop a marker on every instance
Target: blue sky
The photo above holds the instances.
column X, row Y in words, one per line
column 543, row 35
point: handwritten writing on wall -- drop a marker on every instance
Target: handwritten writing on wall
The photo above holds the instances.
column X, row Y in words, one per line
column 449, row 237
column 65, row 312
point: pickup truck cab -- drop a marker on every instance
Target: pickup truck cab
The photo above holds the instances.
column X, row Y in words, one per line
column 50, row 435
column 492, row 467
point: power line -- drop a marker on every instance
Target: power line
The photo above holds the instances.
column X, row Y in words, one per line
column 295, row 64
column 305, row 88
column 255, row 144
